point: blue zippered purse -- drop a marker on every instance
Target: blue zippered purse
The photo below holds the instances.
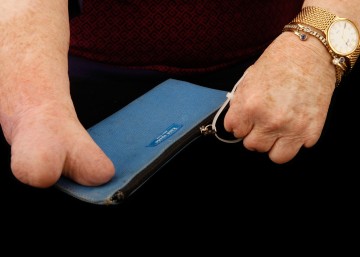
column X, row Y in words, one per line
column 145, row 134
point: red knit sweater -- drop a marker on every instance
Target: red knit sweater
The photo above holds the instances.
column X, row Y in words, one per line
column 177, row 36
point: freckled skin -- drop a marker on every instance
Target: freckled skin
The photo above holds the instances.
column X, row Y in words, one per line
column 282, row 102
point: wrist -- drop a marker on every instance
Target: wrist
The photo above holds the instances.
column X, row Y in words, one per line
column 309, row 54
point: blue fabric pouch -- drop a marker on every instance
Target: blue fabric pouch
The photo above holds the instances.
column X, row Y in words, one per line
column 145, row 134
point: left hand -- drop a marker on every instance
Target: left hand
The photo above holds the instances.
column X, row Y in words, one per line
column 282, row 102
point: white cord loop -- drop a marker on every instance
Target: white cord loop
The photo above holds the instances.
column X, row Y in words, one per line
column 229, row 96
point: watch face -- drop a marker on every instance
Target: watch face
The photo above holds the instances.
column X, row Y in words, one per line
column 343, row 37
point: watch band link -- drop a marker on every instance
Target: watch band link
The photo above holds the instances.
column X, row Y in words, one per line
column 315, row 17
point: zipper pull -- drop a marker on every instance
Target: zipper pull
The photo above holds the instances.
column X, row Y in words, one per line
column 210, row 129
column 207, row 130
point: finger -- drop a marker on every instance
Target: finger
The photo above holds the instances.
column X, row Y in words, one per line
column 36, row 159
column 284, row 150
column 259, row 141
column 40, row 155
column 237, row 121
column 87, row 164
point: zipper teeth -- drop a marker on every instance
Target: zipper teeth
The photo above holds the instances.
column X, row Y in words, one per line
column 143, row 176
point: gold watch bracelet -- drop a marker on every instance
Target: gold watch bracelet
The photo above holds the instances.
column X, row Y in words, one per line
column 303, row 30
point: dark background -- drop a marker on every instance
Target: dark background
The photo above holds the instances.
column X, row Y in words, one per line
column 210, row 184
column 212, row 197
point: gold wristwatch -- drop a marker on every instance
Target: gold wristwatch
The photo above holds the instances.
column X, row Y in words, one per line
column 339, row 35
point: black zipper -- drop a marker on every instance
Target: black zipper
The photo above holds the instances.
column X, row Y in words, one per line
column 166, row 156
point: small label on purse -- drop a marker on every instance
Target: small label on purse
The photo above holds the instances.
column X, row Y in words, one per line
column 171, row 130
